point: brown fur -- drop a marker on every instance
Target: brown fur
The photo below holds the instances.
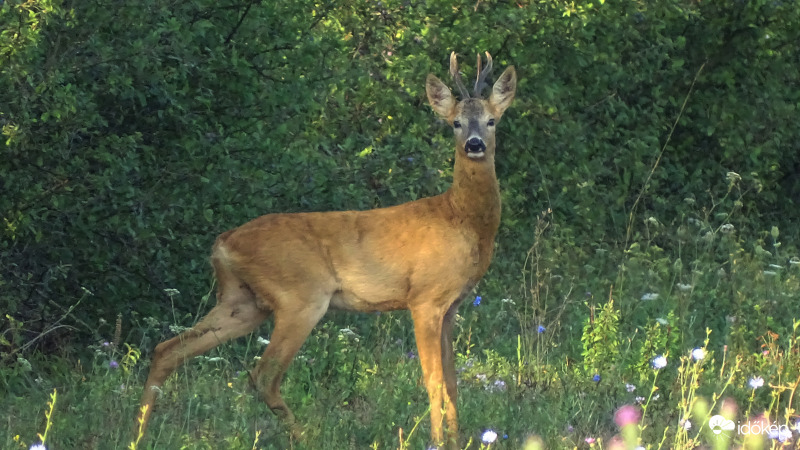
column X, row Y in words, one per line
column 424, row 256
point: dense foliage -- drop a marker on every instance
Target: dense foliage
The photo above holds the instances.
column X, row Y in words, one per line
column 135, row 132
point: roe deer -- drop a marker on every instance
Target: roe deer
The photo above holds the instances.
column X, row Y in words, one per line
column 424, row 256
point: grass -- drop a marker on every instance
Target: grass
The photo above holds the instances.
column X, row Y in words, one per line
column 564, row 358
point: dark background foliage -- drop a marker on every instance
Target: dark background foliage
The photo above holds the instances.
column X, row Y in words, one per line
column 135, row 132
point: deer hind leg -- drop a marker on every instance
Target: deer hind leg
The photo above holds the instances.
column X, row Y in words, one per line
column 428, row 329
column 292, row 326
column 235, row 314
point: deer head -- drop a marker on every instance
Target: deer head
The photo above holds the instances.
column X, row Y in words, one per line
column 473, row 118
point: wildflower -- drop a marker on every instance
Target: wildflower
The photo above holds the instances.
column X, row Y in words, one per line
column 698, row 354
column 649, row 296
column 684, row 287
column 727, row 228
column 541, row 329
column 347, row 332
column 488, row 437
column 686, row 424
column 782, row 434
column 657, row 396
column 639, row 399
column 509, row 301
column 590, row 440
column 411, row 355
column 113, row 364
column 481, row 377
column 756, row 382
column 627, row 415
column 629, row 387
column 732, row 177
column 659, row 362
column 262, row 341
column 477, row 301
column 596, row 378
column 172, row 292
column 38, row 447
column 498, row 385
column 106, row 344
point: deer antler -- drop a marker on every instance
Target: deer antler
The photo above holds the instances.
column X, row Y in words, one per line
column 480, row 81
column 457, row 75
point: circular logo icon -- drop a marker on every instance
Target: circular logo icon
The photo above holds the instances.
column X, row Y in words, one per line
column 718, row 424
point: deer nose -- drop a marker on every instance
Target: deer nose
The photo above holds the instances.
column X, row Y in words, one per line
column 475, row 145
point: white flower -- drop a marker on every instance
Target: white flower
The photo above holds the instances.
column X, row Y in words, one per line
column 488, row 437
column 727, row 228
column 630, row 387
column 684, row 287
column 756, row 382
column 649, row 296
column 698, row 354
column 732, row 176
column 38, row 447
column 686, row 424
column 262, row 341
column 508, row 300
column 659, row 362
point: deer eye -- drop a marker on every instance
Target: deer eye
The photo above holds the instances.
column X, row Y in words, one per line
column 491, row 122
column 457, row 124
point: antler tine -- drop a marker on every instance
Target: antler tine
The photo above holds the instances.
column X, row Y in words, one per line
column 480, row 82
column 457, row 75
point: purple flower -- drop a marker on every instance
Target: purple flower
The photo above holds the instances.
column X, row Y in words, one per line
column 541, row 329
column 659, row 362
column 596, row 378
column 477, row 301
column 113, row 364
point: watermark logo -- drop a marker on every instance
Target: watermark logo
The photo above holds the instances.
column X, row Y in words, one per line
column 719, row 424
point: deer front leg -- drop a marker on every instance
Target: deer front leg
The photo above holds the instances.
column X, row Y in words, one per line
column 449, row 370
column 428, row 329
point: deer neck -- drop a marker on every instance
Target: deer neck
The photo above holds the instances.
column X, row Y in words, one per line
column 475, row 195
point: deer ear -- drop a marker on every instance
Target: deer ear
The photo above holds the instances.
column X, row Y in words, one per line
column 503, row 90
column 439, row 96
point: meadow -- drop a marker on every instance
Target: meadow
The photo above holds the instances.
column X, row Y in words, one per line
column 622, row 358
